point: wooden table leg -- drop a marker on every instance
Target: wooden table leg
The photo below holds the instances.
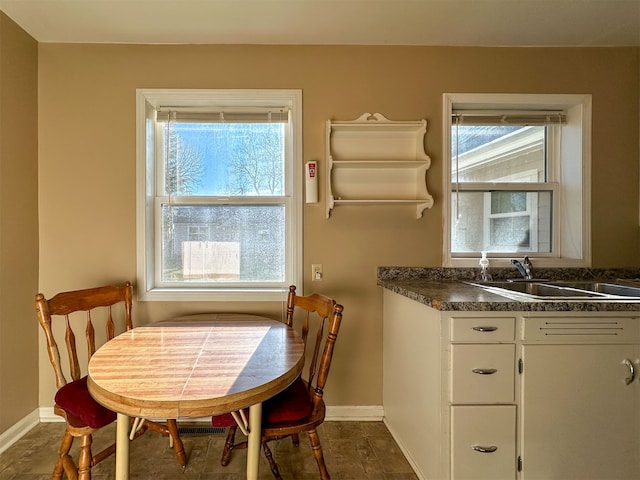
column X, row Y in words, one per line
column 122, row 447
column 255, row 441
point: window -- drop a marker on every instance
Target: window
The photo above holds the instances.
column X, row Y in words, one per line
column 219, row 182
column 517, row 177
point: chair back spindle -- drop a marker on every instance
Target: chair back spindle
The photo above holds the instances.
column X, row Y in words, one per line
column 72, row 351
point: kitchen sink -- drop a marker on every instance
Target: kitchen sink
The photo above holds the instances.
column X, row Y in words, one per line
column 562, row 290
column 604, row 287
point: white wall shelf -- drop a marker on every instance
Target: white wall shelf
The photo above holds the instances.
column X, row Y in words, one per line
column 374, row 161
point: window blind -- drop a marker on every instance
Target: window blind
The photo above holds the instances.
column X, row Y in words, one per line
column 200, row 115
column 509, row 117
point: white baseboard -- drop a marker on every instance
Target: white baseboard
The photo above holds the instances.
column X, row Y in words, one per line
column 47, row 415
column 368, row 413
column 17, row 431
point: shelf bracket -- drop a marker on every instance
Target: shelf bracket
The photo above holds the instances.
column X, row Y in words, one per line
column 421, row 207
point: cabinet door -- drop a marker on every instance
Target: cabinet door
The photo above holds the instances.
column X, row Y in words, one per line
column 580, row 420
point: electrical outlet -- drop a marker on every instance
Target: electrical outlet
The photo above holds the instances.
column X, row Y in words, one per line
column 316, row 272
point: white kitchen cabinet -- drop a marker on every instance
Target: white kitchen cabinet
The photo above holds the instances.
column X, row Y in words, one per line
column 481, row 383
column 373, row 160
column 557, row 407
column 580, row 404
column 412, row 384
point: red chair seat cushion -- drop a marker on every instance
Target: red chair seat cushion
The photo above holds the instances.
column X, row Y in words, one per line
column 223, row 421
column 291, row 404
column 74, row 398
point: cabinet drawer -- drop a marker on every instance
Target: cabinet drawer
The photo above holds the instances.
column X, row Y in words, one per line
column 482, row 373
column 483, row 443
column 581, row 329
column 481, row 329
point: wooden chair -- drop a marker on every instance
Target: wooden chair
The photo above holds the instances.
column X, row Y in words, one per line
column 300, row 407
column 82, row 413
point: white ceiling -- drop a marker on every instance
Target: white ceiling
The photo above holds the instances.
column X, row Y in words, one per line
column 338, row 22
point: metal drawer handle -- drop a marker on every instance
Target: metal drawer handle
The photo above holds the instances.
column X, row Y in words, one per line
column 484, row 371
column 481, row 449
column 632, row 371
column 485, row 329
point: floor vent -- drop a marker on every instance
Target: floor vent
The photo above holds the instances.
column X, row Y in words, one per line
column 201, row 430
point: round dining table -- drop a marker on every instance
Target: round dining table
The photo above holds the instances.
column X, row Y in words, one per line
column 195, row 366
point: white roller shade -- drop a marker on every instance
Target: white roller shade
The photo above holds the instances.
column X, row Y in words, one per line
column 509, row 117
column 200, row 115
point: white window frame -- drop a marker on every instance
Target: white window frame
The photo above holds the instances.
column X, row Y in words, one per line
column 147, row 101
column 570, row 171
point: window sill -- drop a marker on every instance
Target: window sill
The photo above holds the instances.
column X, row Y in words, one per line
column 213, row 295
column 506, row 262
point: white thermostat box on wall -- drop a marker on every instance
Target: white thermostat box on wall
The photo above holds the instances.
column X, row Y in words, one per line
column 311, row 177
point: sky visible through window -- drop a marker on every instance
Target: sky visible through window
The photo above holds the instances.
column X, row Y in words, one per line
column 226, row 159
column 202, row 139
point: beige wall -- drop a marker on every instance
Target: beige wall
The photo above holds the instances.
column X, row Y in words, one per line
column 18, row 224
column 87, row 162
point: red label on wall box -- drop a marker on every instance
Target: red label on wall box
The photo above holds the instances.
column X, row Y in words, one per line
column 312, row 169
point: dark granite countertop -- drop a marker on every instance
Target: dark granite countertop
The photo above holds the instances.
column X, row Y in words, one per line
column 443, row 289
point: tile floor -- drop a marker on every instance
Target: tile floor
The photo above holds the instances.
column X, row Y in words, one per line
column 352, row 450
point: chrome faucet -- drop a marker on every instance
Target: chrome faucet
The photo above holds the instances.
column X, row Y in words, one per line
column 525, row 268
